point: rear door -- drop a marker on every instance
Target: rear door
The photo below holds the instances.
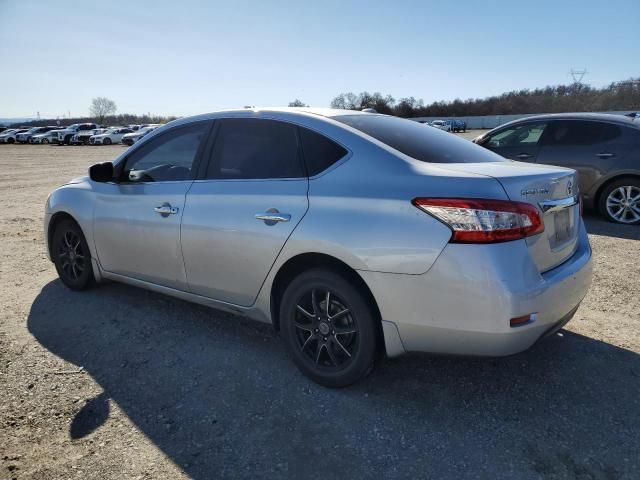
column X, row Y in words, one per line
column 239, row 215
column 590, row 147
column 518, row 142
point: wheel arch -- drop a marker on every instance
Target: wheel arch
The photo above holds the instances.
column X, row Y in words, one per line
column 56, row 218
column 601, row 188
column 305, row 261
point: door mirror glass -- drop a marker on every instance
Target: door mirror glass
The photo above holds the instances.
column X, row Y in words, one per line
column 101, row 172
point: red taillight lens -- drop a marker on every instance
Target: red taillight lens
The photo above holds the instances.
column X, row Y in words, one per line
column 476, row 220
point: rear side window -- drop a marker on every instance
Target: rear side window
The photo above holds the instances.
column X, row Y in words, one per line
column 419, row 141
column 255, row 149
column 319, row 152
column 579, row 132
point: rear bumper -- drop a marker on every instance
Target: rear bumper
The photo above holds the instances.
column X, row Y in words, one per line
column 463, row 304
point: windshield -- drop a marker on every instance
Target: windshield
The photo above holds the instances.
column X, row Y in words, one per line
column 412, row 139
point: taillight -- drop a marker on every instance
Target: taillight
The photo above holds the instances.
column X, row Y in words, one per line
column 476, row 220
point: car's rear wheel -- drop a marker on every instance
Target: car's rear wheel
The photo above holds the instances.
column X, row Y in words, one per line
column 328, row 328
column 10, row 140
column 620, row 201
column 106, row 141
column 71, row 256
column 44, row 140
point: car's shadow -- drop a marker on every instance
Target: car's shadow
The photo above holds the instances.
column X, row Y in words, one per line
column 218, row 395
column 596, row 225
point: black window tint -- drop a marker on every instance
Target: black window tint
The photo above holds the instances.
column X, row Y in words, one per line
column 319, row 152
column 419, row 141
column 169, row 157
column 579, row 132
column 250, row 148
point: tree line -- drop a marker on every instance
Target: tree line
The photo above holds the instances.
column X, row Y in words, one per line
column 575, row 97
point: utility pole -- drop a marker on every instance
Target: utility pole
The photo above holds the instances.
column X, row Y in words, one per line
column 577, row 75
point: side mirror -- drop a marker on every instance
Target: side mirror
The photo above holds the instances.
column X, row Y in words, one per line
column 101, row 172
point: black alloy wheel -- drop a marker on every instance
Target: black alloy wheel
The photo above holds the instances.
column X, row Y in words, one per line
column 71, row 256
column 329, row 328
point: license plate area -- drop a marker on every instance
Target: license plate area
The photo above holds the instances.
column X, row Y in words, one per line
column 562, row 223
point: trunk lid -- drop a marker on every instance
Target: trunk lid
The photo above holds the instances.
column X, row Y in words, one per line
column 553, row 190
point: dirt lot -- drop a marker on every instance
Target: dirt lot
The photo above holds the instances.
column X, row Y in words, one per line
column 120, row 383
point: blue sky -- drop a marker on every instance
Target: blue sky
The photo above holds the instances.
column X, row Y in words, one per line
column 186, row 57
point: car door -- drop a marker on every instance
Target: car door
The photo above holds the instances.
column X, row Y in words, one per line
column 239, row 215
column 137, row 218
column 590, row 147
column 517, row 142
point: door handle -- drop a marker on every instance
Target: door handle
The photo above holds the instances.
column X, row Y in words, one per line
column 166, row 209
column 524, row 156
column 273, row 216
column 604, row 155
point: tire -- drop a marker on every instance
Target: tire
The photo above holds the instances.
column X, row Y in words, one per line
column 71, row 256
column 619, row 202
column 10, row 140
column 106, row 141
column 67, row 140
column 44, row 141
column 334, row 348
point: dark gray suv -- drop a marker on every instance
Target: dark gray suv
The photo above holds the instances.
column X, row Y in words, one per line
column 604, row 149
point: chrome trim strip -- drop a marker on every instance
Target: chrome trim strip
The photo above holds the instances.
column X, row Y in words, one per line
column 555, row 205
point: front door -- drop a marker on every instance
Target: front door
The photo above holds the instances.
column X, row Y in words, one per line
column 239, row 217
column 137, row 218
column 518, row 142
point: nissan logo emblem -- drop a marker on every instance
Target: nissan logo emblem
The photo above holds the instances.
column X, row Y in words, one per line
column 569, row 187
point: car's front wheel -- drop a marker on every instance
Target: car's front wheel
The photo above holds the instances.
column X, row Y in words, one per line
column 620, row 201
column 328, row 328
column 71, row 256
column 106, row 141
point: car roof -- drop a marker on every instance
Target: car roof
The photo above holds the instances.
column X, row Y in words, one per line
column 602, row 117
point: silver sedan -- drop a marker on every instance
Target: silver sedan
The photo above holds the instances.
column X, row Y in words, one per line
column 355, row 234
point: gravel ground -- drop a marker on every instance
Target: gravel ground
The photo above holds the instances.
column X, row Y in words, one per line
column 119, row 382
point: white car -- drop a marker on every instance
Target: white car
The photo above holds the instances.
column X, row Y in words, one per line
column 47, row 137
column 9, row 136
column 111, row 135
column 131, row 138
column 441, row 125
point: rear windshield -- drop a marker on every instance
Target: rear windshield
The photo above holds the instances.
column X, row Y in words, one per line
column 419, row 141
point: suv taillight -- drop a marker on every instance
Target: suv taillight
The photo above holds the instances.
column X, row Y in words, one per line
column 477, row 220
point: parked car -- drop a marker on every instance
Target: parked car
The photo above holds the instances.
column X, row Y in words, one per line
column 65, row 136
column 9, row 136
column 441, row 125
column 604, row 149
column 112, row 135
column 354, row 234
column 83, row 137
column 48, row 137
column 458, row 125
column 131, row 138
column 24, row 137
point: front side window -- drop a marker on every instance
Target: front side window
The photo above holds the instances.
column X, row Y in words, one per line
column 170, row 157
column 526, row 135
column 254, row 149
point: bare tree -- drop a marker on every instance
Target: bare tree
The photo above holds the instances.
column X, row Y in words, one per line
column 101, row 107
column 298, row 103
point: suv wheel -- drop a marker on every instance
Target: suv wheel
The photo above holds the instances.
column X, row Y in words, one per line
column 71, row 256
column 620, row 201
column 328, row 328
